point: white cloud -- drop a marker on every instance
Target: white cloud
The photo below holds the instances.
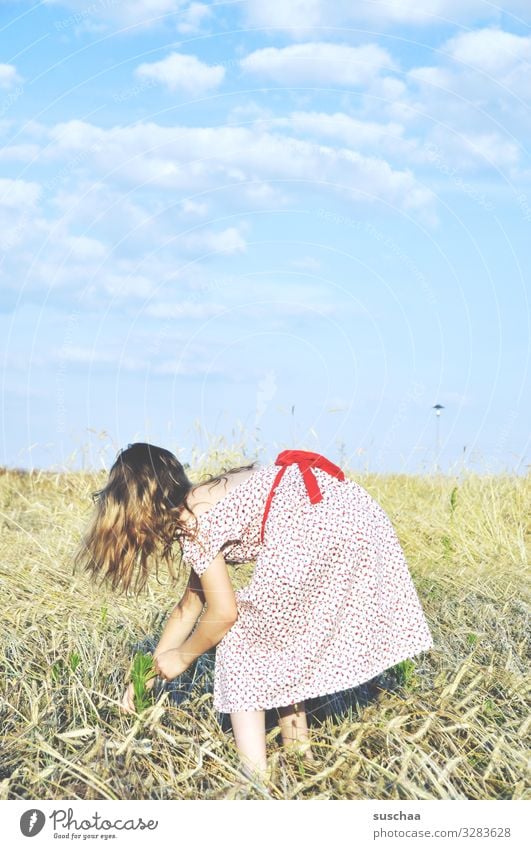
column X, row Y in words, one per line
column 19, row 152
column 387, row 88
column 160, row 156
column 480, row 65
column 184, row 72
column 432, row 76
column 121, row 285
column 492, row 62
column 491, row 50
column 493, row 148
column 352, row 131
column 249, row 112
column 100, row 14
column 191, row 19
column 84, row 248
column 229, row 241
column 377, row 138
column 8, row 75
column 17, row 194
column 194, row 207
column 52, row 257
column 471, row 150
column 319, row 62
column 299, row 17
column 128, row 221
column 264, row 195
column 18, row 209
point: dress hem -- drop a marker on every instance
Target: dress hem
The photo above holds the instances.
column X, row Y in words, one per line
column 425, row 646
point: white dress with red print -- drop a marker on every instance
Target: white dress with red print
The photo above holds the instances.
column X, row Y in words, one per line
column 331, row 602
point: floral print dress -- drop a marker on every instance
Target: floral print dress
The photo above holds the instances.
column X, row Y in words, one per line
column 330, row 603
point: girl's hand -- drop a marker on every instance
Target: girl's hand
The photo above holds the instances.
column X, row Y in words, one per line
column 128, row 700
column 169, row 664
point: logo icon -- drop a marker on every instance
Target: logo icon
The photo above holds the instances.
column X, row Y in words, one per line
column 32, row 822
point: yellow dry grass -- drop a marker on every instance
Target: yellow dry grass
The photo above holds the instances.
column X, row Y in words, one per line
column 455, row 727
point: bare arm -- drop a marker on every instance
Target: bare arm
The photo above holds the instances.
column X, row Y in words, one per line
column 221, row 613
column 183, row 616
column 178, row 626
column 220, row 616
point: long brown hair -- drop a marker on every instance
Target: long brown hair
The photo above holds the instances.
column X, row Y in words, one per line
column 137, row 517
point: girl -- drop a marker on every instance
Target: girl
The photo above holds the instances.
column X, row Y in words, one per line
column 330, row 604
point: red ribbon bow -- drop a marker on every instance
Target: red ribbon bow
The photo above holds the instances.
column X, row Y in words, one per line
column 306, row 460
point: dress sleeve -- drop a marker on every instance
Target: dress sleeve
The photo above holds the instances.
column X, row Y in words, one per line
column 226, row 522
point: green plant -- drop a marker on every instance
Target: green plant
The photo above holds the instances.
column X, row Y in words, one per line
column 60, row 668
column 142, row 671
column 57, row 669
column 491, row 711
column 405, row 672
column 74, row 660
column 447, row 545
column 453, row 499
column 471, row 639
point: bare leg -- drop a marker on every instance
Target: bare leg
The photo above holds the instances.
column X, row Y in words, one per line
column 249, row 733
column 294, row 729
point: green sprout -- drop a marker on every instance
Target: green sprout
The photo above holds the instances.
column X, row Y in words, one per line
column 74, row 660
column 405, row 672
column 57, row 669
column 447, row 545
column 453, row 498
column 142, row 671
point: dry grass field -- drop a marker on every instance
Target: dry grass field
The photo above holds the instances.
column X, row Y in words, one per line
column 452, row 723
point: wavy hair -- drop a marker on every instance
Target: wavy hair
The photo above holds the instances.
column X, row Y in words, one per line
column 137, row 519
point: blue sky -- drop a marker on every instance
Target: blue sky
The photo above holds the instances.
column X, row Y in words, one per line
column 298, row 224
